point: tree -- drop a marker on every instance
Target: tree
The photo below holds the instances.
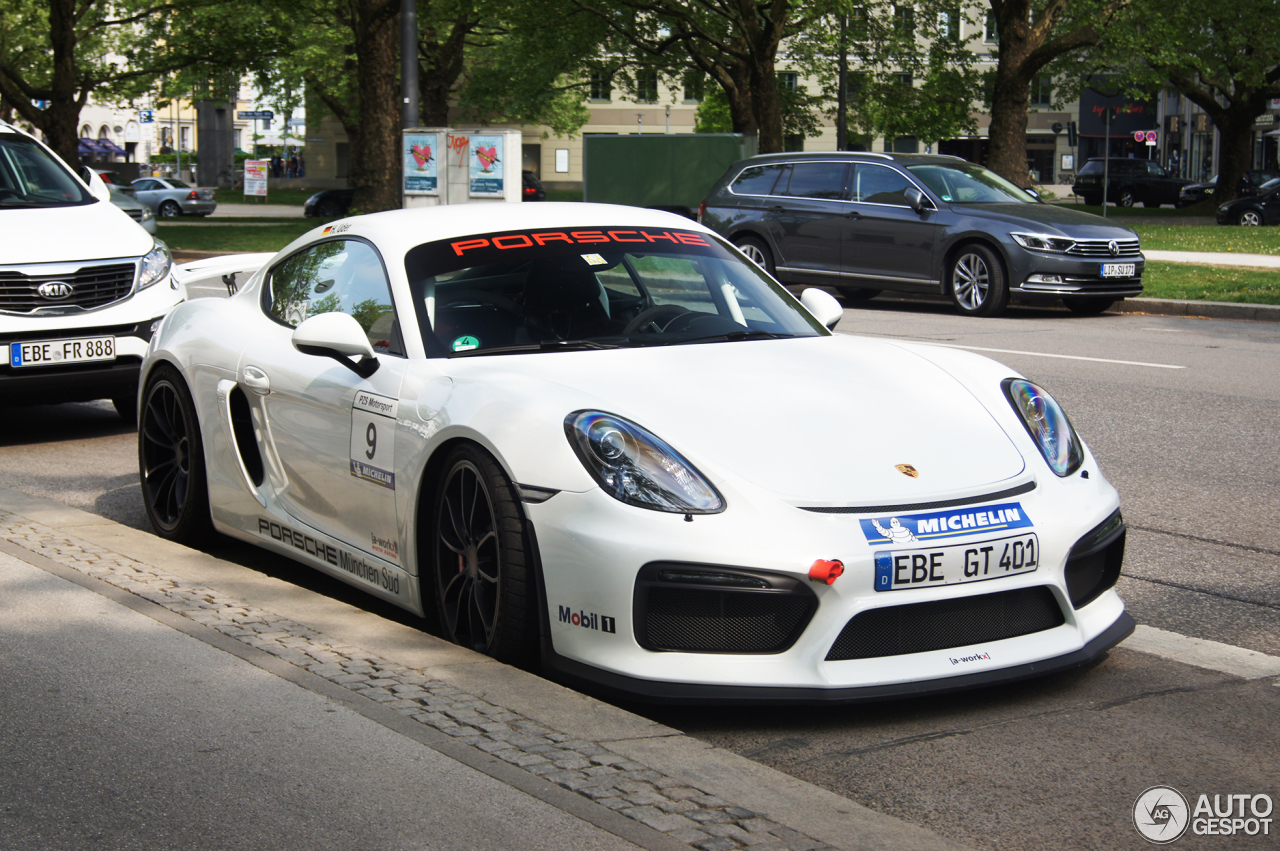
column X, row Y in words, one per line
column 63, row 51
column 1224, row 57
column 735, row 43
column 1031, row 34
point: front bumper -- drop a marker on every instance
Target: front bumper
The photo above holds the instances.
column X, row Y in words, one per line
column 1061, row 275
column 596, row 552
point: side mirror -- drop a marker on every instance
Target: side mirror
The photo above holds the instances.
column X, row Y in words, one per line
column 915, row 199
column 337, row 336
column 97, row 186
column 823, row 306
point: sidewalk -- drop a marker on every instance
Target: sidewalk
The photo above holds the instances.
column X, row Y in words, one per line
column 245, row 211
column 139, row 647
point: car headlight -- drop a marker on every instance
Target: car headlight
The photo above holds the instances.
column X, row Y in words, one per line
column 146, row 213
column 1047, row 424
column 635, row 467
column 155, row 265
column 1042, row 242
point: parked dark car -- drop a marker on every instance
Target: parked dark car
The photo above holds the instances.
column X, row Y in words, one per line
column 867, row 222
column 1254, row 178
column 1129, row 182
column 1261, row 208
column 329, row 203
column 532, row 189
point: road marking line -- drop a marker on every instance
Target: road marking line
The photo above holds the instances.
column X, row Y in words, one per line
column 1224, row 658
column 1047, row 355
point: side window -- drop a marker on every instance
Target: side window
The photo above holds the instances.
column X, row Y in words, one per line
column 819, row 180
column 756, row 180
column 340, row 276
column 878, row 184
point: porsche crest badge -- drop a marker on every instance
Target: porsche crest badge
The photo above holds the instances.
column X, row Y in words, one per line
column 908, row 470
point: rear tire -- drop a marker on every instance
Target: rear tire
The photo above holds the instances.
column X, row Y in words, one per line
column 1088, row 306
column 976, row 282
column 170, row 210
column 1126, row 198
column 175, row 491
column 482, row 566
column 757, row 252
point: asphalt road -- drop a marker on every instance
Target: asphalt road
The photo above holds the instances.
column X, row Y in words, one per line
column 1181, row 414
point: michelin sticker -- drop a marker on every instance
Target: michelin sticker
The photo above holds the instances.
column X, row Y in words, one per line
column 373, row 432
column 937, row 525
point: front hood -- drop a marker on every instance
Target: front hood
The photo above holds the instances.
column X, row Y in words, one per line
column 96, row 231
column 1049, row 218
column 817, row 421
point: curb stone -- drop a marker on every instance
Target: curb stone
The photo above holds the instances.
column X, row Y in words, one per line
column 673, row 806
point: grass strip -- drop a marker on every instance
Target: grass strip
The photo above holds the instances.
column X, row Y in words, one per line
column 1217, row 238
column 1210, row 283
column 234, row 240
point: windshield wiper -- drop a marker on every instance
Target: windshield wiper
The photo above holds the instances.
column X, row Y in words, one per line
column 543, row 346
column 736, row 336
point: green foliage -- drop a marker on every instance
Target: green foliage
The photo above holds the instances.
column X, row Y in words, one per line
column 712, row 115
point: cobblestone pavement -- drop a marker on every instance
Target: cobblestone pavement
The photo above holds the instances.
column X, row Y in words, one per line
column 663, row 803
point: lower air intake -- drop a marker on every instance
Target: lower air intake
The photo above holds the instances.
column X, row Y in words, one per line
column 943, row 624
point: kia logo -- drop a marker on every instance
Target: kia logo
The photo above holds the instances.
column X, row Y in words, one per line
column 1113, row 247
column 55, row 290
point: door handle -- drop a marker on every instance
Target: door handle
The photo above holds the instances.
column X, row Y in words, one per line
column 778, row 209
column 256, row 380
column 853, row 214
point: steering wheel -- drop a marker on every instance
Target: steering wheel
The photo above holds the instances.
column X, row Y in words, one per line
column 654, row 319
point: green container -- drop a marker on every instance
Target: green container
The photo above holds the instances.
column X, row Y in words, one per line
column 668, row 171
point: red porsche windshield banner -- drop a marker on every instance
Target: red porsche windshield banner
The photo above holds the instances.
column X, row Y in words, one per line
column 435, row 258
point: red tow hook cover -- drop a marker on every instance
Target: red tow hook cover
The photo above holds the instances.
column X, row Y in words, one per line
column 826, row 571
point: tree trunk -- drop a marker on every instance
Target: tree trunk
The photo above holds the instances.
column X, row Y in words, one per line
column 767, row 105
column 59, row 121
column 1010, row 100
column 1236, row 149
column 375, row 160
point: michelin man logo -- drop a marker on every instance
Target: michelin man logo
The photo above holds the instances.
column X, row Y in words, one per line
column 896, row 533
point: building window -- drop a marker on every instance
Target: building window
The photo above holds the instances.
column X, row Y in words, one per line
column 694, row 84
column 1042, row 91
column 905, row 79
column 647, row 86
column 949, row 25
column 184, row 134
column 86, row 132
column 992, row 34
column 859, row 29
column 788, row 81
column 601, row 87
column 238, row 139
column 904, row 21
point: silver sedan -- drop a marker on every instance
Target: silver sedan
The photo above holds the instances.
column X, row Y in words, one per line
column 169, row 197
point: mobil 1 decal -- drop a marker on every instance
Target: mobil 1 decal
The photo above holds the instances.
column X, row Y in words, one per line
column 373, row 432
column 938, row 525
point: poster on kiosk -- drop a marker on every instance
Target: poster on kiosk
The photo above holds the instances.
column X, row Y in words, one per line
column 421, row 152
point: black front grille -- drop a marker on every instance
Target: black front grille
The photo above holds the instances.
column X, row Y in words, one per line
column 943, row 624
column 91, row 286
column 709, row 609
column 1101, row 248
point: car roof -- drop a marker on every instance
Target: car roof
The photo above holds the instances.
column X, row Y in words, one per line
column 397, row 231
column 856, row 156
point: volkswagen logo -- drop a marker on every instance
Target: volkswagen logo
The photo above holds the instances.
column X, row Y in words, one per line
column 55, row 290
column 1114, row 248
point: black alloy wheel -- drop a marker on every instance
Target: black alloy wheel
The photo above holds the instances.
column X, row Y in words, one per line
column 483, row 567
column 171, row 461
column 976, row 282
column 1126, row 198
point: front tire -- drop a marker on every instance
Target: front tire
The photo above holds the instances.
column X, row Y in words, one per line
column 757, row 252
column 1250, row 219
column 976, row 282
column 171, row 461
column 483, row 566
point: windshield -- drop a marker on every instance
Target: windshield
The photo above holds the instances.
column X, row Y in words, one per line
column 30, row 177
column 967, row 183
column 537, row 291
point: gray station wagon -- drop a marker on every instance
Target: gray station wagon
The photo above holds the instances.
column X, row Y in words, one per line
column 868, row 222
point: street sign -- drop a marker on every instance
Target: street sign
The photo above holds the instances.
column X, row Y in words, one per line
column 1151, row 137
column 257, row 115
column 1139, row 135
column 146, row 116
